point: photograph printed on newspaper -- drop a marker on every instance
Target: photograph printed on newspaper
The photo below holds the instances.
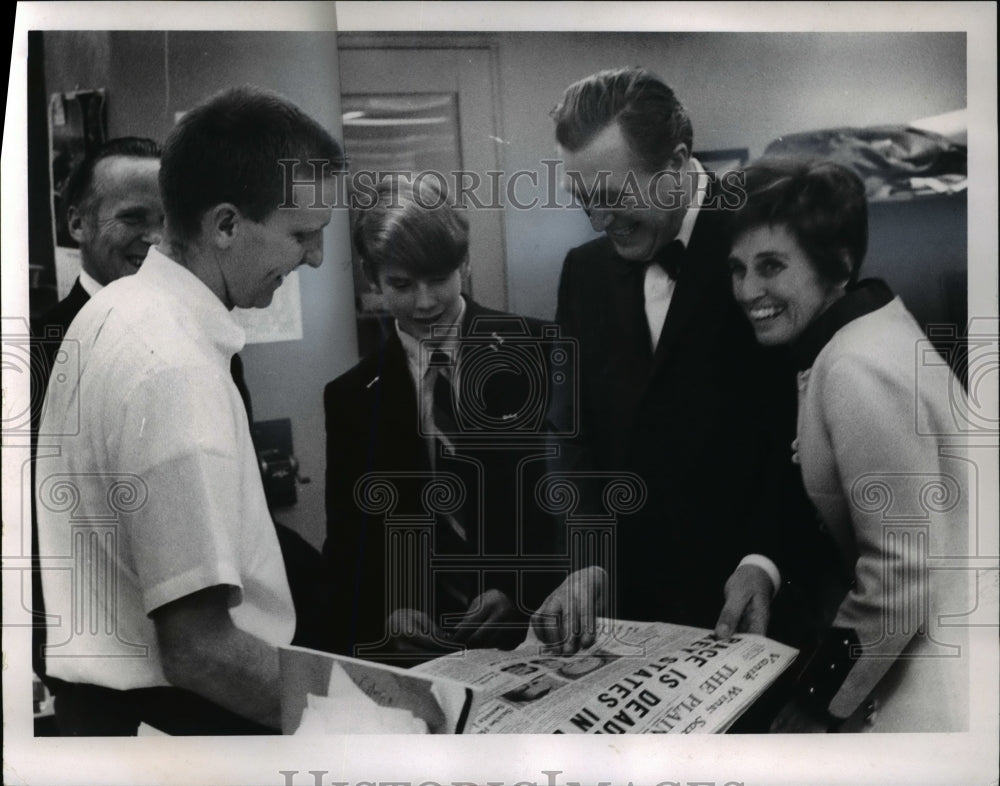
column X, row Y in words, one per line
column 639, row 677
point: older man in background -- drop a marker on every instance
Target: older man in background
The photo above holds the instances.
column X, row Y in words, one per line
column 115, row 214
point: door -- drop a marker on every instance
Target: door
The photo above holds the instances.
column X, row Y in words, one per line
column 426, row 109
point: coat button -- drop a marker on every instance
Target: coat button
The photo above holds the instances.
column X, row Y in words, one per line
column 871, row 712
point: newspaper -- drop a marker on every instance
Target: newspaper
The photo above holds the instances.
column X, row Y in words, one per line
column 639, row 677
column 323, row 693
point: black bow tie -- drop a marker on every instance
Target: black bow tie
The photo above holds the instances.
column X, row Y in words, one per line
column 670, row 258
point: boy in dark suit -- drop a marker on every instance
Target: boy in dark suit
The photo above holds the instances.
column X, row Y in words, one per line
column 434, row 444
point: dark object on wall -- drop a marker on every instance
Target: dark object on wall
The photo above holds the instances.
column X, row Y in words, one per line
column 279, row 469
column 920, row 247
column 917, row 220
column 78, row 123
column 722, row 160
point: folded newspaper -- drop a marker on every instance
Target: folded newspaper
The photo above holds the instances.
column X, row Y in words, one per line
column 331, row 694
column 639, row 677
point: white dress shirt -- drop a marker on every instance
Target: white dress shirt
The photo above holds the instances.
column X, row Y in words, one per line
column 658, row 288
column 424, row 376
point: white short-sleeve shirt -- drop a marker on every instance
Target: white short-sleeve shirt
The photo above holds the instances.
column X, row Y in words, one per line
column 151, row 490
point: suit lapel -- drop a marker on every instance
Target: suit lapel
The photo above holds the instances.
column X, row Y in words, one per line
column 628, row 302
column 77, row 297
column 699, row 275
column 474, row 311
column 390, row 391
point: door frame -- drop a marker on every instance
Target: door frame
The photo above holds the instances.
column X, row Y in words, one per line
column 489, row 279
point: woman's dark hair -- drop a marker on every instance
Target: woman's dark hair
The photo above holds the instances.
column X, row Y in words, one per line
column 651, row 118
column 411, row 225
column 821, row 203
column 230, row 149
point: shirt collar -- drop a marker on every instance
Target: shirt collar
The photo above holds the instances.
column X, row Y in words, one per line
column 214, row 322
column 861, row 298
column 411, row 345
column 691, row 215
column 89, row 283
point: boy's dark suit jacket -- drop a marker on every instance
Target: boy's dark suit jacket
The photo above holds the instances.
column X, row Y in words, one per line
column 372, row 426
column 706, row 422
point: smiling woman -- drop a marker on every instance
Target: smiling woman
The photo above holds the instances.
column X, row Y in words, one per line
column 777, row 285
column 799, row 241
column 874, row 404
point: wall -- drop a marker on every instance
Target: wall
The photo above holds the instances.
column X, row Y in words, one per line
column 149, row 77
column 741, row 90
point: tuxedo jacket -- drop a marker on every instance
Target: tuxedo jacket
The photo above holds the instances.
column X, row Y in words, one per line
column 706, row 422
column 379, row 478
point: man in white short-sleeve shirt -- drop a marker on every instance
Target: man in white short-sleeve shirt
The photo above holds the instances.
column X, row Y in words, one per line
column 177, row 598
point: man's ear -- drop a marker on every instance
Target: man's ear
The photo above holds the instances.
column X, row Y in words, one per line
column 847, row 269
column 221, row 224
column 679, row 157
column 74, row 223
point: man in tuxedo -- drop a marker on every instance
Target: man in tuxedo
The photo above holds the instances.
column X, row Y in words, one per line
column 668, row 371
column 434, row 443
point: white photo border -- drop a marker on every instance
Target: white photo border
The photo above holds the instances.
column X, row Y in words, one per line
column 545, row 760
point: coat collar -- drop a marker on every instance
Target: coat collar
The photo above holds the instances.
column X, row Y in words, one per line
column 88, row 283
column 862, row 298
column 446, row 341
column 390, row 361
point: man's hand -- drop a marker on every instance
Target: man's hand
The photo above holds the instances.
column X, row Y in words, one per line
column 747, row 608
column 491, row 621
column 567, row 620
column 204, row 652
column 412, row 632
